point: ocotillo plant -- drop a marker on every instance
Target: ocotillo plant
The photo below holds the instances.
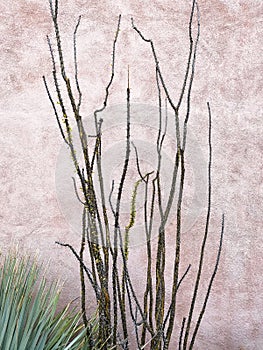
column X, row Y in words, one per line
column 107, row 270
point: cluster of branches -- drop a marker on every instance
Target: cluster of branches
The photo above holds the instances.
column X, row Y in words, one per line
column 107, row 272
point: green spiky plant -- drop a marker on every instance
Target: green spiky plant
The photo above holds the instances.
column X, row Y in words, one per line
column 28, row 311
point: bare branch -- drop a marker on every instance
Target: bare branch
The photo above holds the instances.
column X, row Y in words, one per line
column 55, row 110
column 178, row 285
column 194, row 3
column 137, row 160
column 192, row 72
column 76, row 191
column 156, row 63
column 76, row 63
column 86, row 269
column 181, row 334
column 210, row 285
column 202, row 252
column 82, row 278
column 112, row 69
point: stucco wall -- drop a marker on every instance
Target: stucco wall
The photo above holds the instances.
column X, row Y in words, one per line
column 228, row 74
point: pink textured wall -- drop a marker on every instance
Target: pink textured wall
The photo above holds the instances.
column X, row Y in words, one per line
column 228, row 74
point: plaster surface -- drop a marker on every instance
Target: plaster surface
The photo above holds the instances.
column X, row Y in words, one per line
column 228, row 75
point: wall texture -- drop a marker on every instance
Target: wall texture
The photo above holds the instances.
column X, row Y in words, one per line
column 228, row 74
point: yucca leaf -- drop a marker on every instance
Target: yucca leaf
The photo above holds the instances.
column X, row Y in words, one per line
column 28, row 311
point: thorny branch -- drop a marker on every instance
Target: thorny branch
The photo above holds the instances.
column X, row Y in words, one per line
column 119, row 304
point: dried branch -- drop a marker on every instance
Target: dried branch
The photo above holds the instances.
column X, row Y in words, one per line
column 117, row 213
column 210, row 284
column 178, row 285
column 76, row 63
column 180, row 153
column 202, row 252
column 76, row 192
column 112, row 70
column 86, row 269
column 192, row 70
column 82, row 278
column 181, row 334
column 109, row 260
column 55, row 110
